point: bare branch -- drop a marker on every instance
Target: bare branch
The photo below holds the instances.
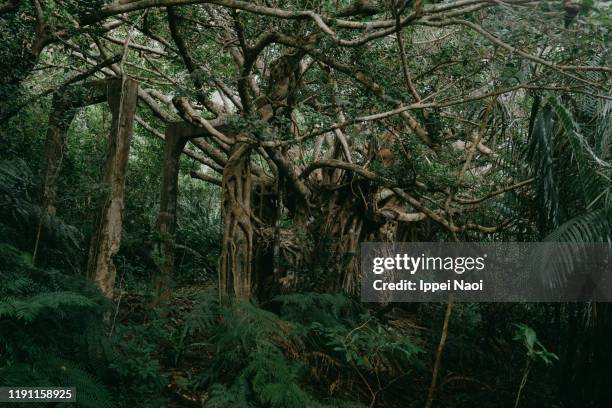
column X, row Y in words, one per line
column 205, row 177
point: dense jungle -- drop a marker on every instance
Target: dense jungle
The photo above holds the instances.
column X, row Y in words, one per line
column 185, row 186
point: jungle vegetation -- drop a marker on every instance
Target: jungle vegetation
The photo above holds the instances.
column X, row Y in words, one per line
column 184, row 186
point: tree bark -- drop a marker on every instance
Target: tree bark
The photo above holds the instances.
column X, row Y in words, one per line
column 235, row 268
column 64, row 107
column 265, row 211
column 106, row 237
column 342, row 226
column 166, row 221
column 60, row 118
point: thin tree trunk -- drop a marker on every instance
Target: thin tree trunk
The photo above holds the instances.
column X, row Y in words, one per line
column 106, row 237
column 523, row 382
column 436, row 368
column 276, row 252
column 235, row 268
column 60, row 118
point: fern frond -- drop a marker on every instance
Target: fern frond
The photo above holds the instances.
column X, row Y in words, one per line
column 31, row 308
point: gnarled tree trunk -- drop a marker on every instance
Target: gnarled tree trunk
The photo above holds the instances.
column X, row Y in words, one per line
column 235, row 267
column 106, row 237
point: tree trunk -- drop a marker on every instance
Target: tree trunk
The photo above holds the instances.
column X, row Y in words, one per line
column 166, row 221
column 325, row 237
column 60, row 118
column 342, row 226
column 106, row 237
column 265, row 210
column 235, row 268
column 65, row 104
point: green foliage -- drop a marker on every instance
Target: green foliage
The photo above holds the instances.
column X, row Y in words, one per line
column 567, row 158
column 21, row 218
column 29, row 309
column 49, row 336
column 322, row 308
column 573, row 179
column 49, row 318
column 304, row 349
column 236, row 396
column 543, row 163
column 198, row 231
column 439, row 174
column 534, row 348
column 136, row 364
column 249, row 353
column 57, row 372
column 260, row 358
column 595, row 226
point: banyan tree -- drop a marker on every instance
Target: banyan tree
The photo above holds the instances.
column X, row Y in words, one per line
column 324, row 124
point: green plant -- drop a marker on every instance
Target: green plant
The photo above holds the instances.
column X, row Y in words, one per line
column 136, row 363
column 51, row 320
column 50, row 337
column 281, row 359
column 535, row 351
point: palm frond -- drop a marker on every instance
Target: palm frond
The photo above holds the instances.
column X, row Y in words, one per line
column 593, row 227
column 541, row 155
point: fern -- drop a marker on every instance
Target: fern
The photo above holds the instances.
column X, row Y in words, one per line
column 31, row 308
column 260, row 358
column 53, row 371
column 275, row 381
column 236, row 396
column 47, row 318
column 20, row 217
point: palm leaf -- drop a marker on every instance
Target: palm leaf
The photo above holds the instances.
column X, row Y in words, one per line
column 541, row 155
column 592, row 227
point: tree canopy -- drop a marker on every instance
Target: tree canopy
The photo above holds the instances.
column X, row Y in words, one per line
column 262, row 141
